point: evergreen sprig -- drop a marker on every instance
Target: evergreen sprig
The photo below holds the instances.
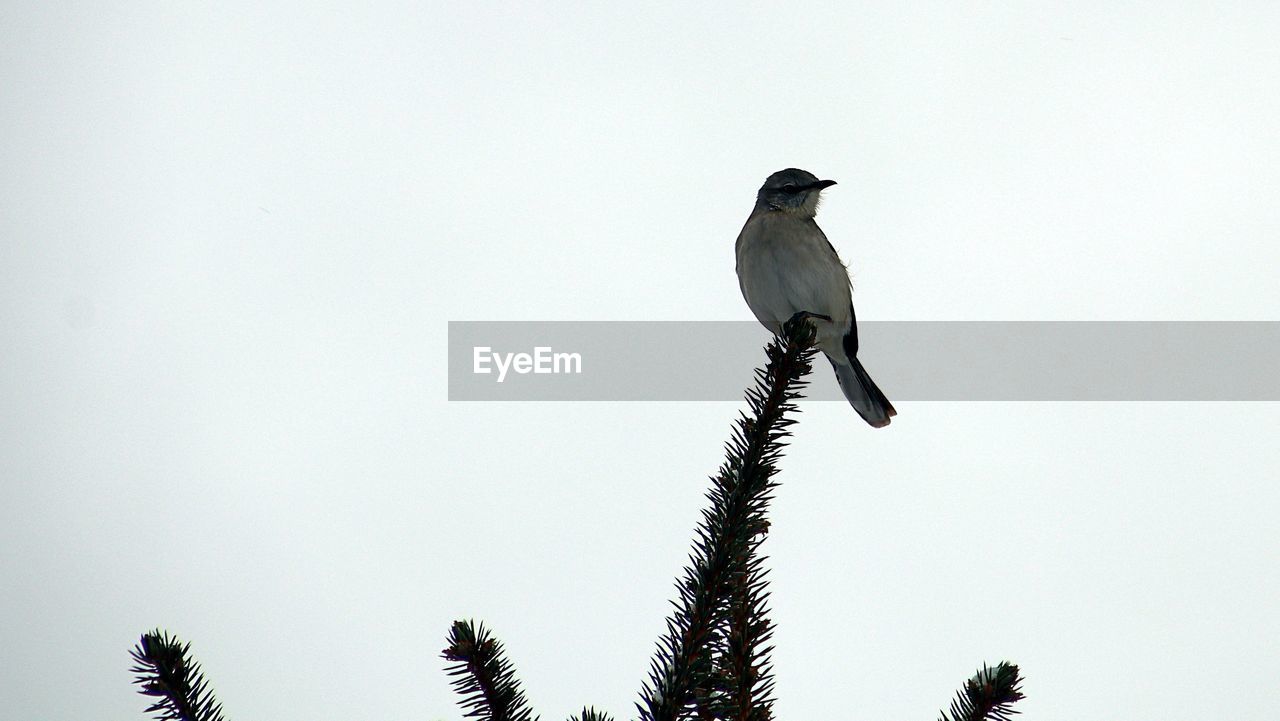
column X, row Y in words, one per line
column 713, row 659
column 746, row 669
column 712, row 663
column 990, row 694
column 482, row 675
column 165, row 670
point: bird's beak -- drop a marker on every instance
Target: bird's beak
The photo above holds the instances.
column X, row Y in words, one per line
column 823, row 184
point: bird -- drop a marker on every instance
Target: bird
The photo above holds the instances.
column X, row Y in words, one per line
column 787, row 267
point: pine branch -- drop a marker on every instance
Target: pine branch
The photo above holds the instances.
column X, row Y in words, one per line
column 745, row 666
column 483, row 676
column 740, row 687
column 166, row 671
column 687, row 673
column 590, row 714
column 988, row 695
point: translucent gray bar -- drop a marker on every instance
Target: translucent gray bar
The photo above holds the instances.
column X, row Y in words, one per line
column 910, row 360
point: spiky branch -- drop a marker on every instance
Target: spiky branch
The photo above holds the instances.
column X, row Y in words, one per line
column 706, row 661
column 166, row 671
column 746, row 669
column 989, row 695
column 713, row 662
column 482, row 676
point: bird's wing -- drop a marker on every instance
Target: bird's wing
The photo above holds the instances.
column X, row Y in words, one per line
column 851, row 338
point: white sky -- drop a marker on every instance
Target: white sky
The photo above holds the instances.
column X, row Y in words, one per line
column 231, row 236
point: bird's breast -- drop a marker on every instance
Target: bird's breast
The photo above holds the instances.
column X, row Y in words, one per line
column 786, row 266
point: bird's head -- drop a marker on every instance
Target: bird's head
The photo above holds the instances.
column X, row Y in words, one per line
column 793, row 191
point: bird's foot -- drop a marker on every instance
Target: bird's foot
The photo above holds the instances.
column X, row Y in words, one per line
column 801, row 328
column 804, row 314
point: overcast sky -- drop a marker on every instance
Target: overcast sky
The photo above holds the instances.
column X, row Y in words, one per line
column 232, row 236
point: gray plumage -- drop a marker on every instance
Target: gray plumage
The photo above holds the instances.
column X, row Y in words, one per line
column 786, row 266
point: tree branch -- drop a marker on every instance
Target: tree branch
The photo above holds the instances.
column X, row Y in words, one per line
column 483, row 676
column 166, row 671
column 990, row 694
column 685, row 672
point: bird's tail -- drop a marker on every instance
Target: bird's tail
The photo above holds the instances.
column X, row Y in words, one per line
column 863, row 393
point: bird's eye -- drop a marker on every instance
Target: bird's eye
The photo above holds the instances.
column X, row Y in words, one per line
column 789, row 188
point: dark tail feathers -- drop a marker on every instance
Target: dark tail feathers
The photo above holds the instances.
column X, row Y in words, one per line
column 863, row 393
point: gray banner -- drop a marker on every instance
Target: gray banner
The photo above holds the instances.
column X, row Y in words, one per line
column 910, row 360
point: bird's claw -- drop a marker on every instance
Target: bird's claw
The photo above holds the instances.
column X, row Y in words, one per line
column 804, row 315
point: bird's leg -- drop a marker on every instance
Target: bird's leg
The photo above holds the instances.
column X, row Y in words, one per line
column 797, row 327
column 804, row 314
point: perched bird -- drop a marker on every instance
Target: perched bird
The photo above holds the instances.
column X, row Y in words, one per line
column 787, row 266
